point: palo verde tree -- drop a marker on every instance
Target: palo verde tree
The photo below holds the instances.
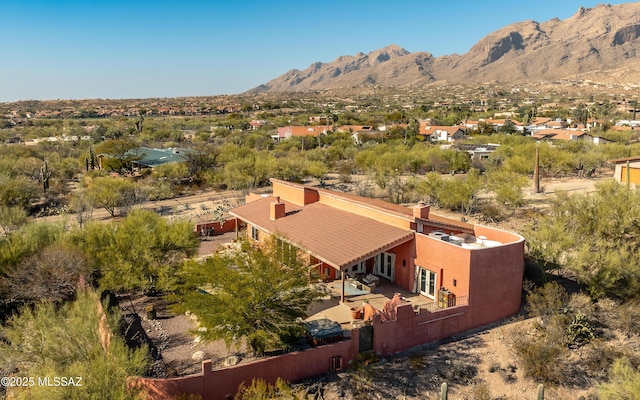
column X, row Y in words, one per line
column 249, row 294
column 112, row 193
column 143, row 251
column 624, row 382
column 458, row 194
column 596, row 236
column 118, row 154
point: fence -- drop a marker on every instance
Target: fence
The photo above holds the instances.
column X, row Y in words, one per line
column 439, row 305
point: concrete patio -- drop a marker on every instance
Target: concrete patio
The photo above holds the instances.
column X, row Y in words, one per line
column 331, row 307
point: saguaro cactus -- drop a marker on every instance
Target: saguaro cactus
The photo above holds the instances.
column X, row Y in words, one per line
column 444, row 391
column 92, row 158
column 45, row 175
column 541, row 392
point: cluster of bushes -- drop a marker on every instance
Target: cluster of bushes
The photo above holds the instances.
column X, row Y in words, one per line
column 576, row 341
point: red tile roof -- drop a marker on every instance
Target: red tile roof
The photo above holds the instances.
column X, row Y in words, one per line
column 336, row 237
column 558, row 134
column 625, row 159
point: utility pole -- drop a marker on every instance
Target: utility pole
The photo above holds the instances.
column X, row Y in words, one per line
column 536, row 171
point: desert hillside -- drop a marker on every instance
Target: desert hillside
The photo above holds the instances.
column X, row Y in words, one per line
column 599, row 44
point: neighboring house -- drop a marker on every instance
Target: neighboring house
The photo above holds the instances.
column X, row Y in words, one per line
column 478, row 151
column 441, row 133
column 597, row 140
column 627, row 170
column 628, row 123
column 343, row 235
column 358, row 131
column 355, row 128
column 499, row 123
column 470, row 124
column 151, row 158
column 146, row 157
column 286, row 132
column 565, row 135
column 556, row 124
column 257, row 123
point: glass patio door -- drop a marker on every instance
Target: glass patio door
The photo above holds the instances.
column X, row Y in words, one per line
column 427, row 283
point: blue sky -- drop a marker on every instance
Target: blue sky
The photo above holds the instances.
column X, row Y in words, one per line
column 66, row 49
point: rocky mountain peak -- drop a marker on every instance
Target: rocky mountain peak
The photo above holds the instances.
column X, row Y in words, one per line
column 590, row 44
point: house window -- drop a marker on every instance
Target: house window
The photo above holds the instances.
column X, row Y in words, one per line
column 254, row 233
column 427, row 282
column 286, row 252
column 358, row 268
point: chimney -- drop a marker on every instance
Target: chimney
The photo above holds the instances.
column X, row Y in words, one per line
column 421, row 210
column 276, row 209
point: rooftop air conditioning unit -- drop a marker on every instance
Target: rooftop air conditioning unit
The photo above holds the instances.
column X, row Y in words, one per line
column 439, row 235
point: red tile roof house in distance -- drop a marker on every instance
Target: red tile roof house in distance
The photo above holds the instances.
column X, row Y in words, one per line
column 347, row 234
column 286, row 132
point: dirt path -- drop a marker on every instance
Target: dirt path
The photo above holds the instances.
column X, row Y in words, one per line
column 195, row 207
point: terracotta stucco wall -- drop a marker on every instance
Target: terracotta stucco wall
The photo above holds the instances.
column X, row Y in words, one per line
column 405, row 253
column 386, row 217
column 496, row 276
column 217, row 384
column 227, row 226
column 297, row 195
column 448, row 261
column 411, row 329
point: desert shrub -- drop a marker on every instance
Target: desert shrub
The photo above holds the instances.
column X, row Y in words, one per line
column 624, row 382
column 491, row 212
column 416, row 362
column 623, row 317
column 547, row 302
column 259, row 389
column 540, row 354
column 458, row 372
column 481, row 391
column 598, row 357
column 494, row 367
column 360, row 379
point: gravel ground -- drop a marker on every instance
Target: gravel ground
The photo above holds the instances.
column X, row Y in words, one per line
column 175, row 336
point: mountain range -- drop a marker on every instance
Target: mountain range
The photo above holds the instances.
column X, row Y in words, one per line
column 601, row 44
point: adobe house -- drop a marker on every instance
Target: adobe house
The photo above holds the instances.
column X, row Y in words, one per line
column 480, row 269
column 344, row 236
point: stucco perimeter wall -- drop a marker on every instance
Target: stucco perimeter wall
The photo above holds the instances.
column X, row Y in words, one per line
column 410, row 329
column 217, row 384
column 227, row 226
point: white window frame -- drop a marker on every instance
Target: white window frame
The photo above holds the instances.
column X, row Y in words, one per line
column 431, row 280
